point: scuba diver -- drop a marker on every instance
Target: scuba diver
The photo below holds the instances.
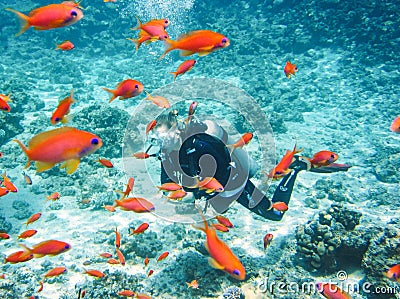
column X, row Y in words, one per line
column 191, row 151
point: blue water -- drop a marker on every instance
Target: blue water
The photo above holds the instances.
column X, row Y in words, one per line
column 343, row 98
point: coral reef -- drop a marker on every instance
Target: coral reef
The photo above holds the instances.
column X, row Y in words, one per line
column 5, row 226
column 147, row 244
column 107, row 122
column 326, row 240
column 380, row 256
column 233, row 293
column 23, row 209
column 10, row 126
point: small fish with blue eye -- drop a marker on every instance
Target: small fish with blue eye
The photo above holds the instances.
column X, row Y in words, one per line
column 60, row 114
column 126, row 89
column 64, row 145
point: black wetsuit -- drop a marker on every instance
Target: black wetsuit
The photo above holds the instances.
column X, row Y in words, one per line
column 204, row 155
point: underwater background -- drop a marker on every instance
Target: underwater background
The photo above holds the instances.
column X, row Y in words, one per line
column 343, row 98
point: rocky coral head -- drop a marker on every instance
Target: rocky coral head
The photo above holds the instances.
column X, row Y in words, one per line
column 233, row 293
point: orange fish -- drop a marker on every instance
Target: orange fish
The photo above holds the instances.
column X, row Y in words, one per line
column 331, row 291
column 290, row 69
column 394, row 127
column 193, row 284
column 33, row 218
column 113, row 262
column 143, row 37
column 59, row 115
column 224, row 221
column 106, row 163
column 65, row 46
column 49, row 17
column 160, row 22
column 2, row 276
column 129, row 187
column 220, row 227
column 158, row 101
column 126, row 89
column 221, row 256
column 202, row 42
column 282, row 168
column 109, row 208
column 55, row 272
column 280, row 206
column 141, row 155
column 142, row 296
column 73, row 3
column 150, row 126
column 95, row 273
column 49, row 247
column 27, row 234
column 162, row 256
column 267, row 239
column 3, row 191
column 117, row 238
column 209, row 184
column 245, row 139
column 151, row 271
column 40, row 287
column 4, row 236
column 106, row 255
column 141, row 229
column 323, row 158
column 169, row 187
column 177, row 195
column 3, row 103
column 394, row 273
column 183, row 68
column 192, row 110
column 111, row 1
column 146, row 261
column 135, row 204
column 55, row 196
column 126, row 293
column 154, row 29
column 18, row 257
column 67, row 145
column 121, row 257
column 8, row 184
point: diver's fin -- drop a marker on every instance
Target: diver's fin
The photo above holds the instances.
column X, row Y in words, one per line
column 334, row 167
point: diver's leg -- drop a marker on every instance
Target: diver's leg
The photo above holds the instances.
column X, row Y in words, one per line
column 284, row 190
column 251, row 195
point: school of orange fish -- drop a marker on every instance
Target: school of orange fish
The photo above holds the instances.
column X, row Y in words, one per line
column 67, row 145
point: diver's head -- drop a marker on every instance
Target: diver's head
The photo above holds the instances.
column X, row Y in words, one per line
column 167, row 132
